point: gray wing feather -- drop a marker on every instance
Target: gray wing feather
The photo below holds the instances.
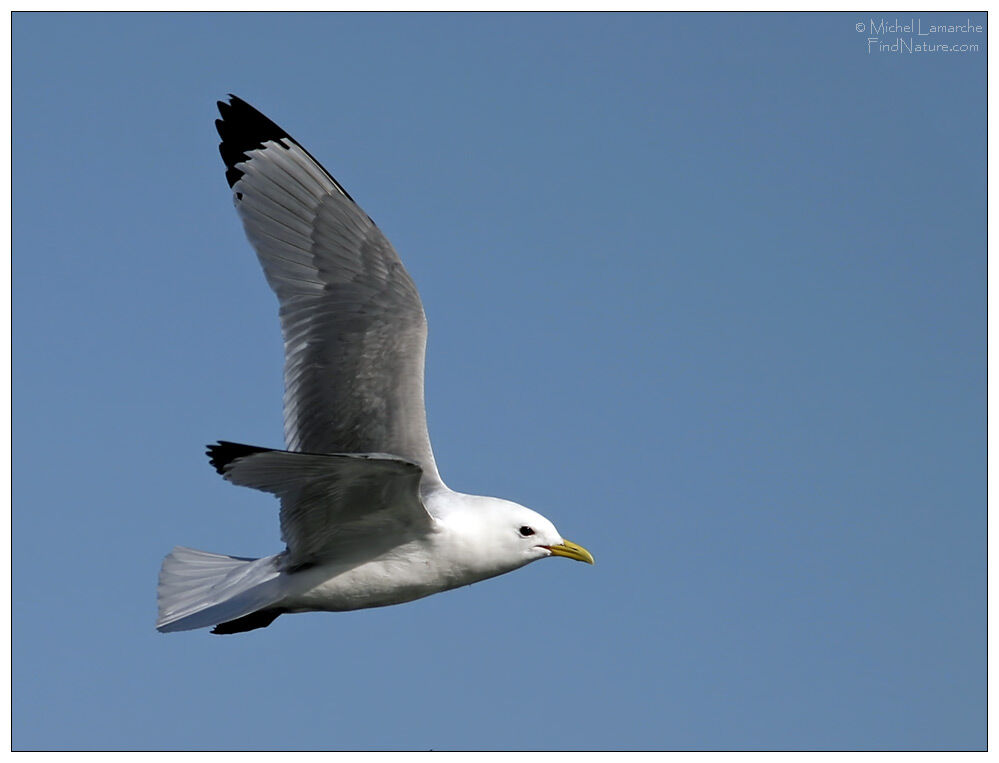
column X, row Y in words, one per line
column 337, row 505
column 353, row 324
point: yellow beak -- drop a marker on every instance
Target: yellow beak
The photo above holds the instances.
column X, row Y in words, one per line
column 570, row 550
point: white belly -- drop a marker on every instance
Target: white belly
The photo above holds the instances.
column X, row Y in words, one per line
column 452, row 556
column 392, row 579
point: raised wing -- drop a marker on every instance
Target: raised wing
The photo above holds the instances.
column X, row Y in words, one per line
column 354, row 329
column 347, row 506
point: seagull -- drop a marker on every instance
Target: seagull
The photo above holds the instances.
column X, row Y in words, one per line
column 365, row 517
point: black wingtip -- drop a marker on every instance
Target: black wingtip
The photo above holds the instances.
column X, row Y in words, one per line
column 242, row 128
column 223, row 453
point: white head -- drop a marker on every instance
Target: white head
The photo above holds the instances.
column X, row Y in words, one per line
column 498, row 536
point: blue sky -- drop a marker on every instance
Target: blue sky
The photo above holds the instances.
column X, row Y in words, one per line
column 707, row 290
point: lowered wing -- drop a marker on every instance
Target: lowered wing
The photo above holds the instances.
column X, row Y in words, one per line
column 339, row 506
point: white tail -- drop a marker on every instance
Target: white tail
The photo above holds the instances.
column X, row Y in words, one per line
column 198, row 589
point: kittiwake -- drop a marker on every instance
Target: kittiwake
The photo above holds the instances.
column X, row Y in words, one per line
column 365, row 517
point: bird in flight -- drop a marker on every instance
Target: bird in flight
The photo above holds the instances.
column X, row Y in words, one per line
column 365, row 517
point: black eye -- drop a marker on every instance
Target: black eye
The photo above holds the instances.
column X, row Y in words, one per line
column 525, row 531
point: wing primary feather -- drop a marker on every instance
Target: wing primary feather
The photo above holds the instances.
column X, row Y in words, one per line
column 242, row 129
column 223, row 453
